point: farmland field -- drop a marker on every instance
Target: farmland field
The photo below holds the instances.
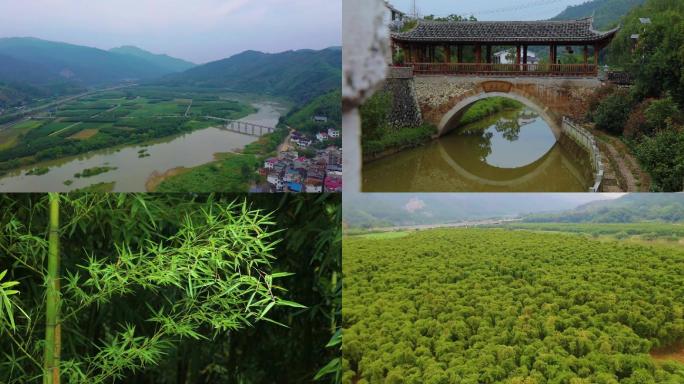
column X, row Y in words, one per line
column 518, row 307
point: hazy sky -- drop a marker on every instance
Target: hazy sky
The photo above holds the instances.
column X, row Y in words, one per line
column 490, row 9
column 196, row 30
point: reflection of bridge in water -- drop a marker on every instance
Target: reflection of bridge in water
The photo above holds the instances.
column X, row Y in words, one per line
column 243, row 127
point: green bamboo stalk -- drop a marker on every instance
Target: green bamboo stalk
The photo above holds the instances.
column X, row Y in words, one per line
column 52, row 328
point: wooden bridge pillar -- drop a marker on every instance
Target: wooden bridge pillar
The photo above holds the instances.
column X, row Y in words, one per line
column 596, row 54
column 478, row 54
column 447, row 51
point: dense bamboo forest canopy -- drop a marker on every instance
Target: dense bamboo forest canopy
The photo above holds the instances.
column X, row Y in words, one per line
column 473, row 306
column 172, row 288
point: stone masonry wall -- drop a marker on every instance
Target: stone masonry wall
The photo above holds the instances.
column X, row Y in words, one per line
column 405, row 109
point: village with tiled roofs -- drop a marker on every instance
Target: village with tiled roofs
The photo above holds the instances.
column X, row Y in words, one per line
column 306, row 163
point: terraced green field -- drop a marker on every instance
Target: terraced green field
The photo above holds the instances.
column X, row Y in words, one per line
column 126, row 116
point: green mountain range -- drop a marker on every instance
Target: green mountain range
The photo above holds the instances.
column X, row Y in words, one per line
column 667, row 207
column 31, row 68
column 298, row 75
column 168, row 63
column 85, row 65
column 607, row 13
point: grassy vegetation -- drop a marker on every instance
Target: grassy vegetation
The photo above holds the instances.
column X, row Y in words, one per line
column 129, row 116
column 97, row 188
column 10, row 137
column 94, row 171
column 377, row 133
column 234, row 172
column 480, row 306
column 38, row 171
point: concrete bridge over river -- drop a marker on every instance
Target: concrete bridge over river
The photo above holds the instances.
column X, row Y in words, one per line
column 243, row 127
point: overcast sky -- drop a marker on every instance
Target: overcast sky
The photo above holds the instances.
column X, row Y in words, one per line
column 490, row 9
column 196, row 30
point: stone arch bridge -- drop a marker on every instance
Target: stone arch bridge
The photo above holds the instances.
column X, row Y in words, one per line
column 442, row 100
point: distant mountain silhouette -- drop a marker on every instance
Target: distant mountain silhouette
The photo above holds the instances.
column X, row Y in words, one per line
column 166, row 62
column 299, row 75
column 84, row 65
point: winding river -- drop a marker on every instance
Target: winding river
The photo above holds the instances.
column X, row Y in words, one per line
column 512, row 151
column 131, row 173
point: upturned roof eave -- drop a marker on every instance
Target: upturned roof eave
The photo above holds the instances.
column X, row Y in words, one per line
column 599, row 36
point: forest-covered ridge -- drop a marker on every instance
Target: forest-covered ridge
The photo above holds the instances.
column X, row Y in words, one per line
column 606, row 13
column 627, row 209
column 300, row 75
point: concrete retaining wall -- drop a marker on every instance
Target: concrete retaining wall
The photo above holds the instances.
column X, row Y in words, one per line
column 586, row 140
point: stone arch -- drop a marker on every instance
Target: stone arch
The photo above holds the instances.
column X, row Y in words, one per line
column 456, row 112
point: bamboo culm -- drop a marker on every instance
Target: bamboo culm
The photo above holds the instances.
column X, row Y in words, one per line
column 52, row 327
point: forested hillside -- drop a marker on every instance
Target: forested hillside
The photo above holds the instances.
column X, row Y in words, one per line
column 628, row 209
column 648, row 115
column 89, row 66
column 32, row 68
column 607, row 13
column 298, row 75
column 328, row 105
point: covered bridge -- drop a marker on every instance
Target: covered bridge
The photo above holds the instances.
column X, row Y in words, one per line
column 435, row 47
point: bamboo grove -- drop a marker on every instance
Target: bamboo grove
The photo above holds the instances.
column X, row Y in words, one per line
column 471, row 306
column 144, row 288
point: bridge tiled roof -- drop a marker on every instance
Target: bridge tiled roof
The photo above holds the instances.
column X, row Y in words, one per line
column 505, row 31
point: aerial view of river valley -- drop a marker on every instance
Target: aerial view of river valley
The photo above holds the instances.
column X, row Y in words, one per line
column 123, row 140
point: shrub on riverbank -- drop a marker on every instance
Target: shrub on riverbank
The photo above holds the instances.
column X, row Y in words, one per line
column 663, row 157
column 612, row 112
column 487, row 107
column 400, row 138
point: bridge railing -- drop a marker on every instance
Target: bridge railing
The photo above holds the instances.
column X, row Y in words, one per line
column 504, row 69
column 588, row 142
